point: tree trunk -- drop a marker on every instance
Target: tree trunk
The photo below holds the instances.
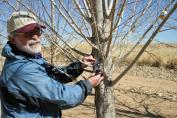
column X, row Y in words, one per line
column 104, row 95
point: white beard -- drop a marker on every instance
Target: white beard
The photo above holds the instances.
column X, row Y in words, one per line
column 30, row 47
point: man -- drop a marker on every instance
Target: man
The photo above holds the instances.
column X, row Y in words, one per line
column 32, row 88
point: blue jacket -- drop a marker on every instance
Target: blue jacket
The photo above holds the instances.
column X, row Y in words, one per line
column 28, row 91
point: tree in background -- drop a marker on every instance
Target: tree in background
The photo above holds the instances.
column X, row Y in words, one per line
column 107, row 26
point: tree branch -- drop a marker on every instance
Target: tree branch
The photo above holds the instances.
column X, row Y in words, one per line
column 112, row 83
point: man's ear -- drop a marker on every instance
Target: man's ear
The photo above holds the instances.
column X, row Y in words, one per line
column 11, row 39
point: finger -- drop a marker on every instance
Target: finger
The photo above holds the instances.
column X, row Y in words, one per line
column 88, row 62
column 94, row 74
column 99, row 81
column 101, row 78
column 98, row 75
column 89, row 58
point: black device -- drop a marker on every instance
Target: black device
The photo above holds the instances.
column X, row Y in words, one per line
column 96, row 67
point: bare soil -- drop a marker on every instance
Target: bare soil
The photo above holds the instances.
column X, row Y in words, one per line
column 138, row 97
column 145, row 92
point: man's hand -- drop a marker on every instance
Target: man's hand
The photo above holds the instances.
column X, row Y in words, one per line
column 88, row 60
column 96, row 79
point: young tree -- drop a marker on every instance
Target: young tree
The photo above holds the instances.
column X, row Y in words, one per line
column 106, row 26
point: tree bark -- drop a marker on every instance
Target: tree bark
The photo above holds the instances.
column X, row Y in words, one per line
column 104, row 95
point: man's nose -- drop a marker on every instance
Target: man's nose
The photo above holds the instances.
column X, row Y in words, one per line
column 35, row 37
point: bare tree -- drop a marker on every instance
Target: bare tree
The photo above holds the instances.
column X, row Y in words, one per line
column 106, row 26
column 52, row 47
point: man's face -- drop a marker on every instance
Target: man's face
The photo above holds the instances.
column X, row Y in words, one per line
column 28, row 42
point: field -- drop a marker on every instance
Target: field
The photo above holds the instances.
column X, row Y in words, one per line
column 149, row 89
column 138, row 96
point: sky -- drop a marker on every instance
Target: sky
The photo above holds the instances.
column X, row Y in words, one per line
column 167, row 36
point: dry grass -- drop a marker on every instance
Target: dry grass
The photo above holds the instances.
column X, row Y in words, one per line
column 160, row 56
column 155, row 55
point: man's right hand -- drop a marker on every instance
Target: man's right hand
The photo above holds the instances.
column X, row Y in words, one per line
column 96, row 79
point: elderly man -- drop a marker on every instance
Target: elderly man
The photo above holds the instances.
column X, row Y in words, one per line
column 32, row 88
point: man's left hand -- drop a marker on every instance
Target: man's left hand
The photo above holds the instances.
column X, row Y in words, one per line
column 87, row 61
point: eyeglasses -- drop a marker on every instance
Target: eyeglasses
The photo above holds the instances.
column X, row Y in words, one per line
column 37, row 31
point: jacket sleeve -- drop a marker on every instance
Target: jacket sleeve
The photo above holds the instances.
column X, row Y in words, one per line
column 64, row 74
column 33, row 82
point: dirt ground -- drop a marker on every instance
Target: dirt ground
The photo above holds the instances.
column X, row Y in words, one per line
column 145, row 92
column 136, row 97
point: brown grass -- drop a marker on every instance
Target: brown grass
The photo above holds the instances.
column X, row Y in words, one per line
column 155, row 55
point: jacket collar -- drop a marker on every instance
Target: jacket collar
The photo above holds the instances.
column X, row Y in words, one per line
column 11, row 51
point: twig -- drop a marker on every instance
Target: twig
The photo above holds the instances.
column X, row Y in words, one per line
column 145, row 46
